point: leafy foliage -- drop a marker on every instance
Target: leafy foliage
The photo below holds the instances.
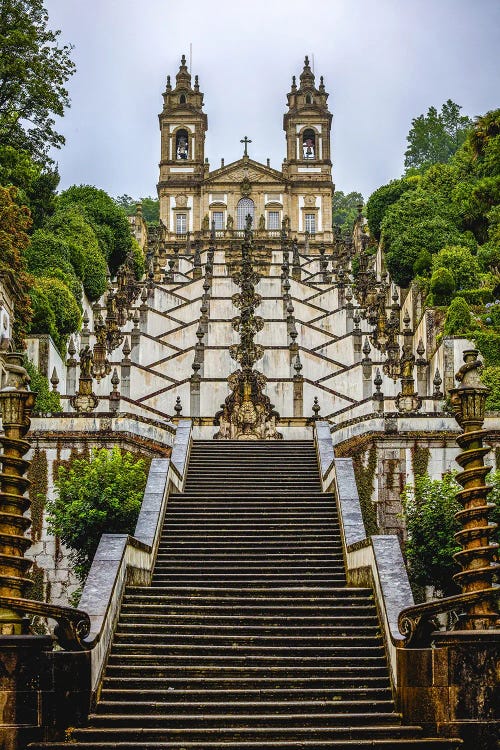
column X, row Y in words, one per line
column 385, row 196
column 47, row 401
column 35, row 182
column 33, row 71
column 55, row 310
column 436, row 136
column 108, row 221
column 460, row 262
column 15, row 221
column 93, row 497
column 150, row 207
column 458, row 318
column 429, row 509
column 442, row 286
column 491, row 377
column 345, row 209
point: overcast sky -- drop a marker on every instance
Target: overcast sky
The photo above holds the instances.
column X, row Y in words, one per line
column 383, row 61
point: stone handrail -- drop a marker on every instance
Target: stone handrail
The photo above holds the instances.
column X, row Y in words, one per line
column 376, row 562
column 73, row 625
column 122, row 559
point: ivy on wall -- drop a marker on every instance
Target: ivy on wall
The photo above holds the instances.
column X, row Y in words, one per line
column 420, row 460
column 364, row 472
column 38, row 476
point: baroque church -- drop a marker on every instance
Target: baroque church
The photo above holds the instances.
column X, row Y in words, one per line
column 193, row 198
column 285, row 391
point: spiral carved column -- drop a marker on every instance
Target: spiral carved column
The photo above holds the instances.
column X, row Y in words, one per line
column 16, row 403
column 478, row 557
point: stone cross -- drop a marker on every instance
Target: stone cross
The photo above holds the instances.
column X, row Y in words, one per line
column 246, row 141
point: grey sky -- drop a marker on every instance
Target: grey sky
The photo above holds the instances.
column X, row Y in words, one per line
column 384, row 62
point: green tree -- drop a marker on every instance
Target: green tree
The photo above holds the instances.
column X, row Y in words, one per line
column 345, row 209
column 380, row 200
column 15, row 222
column 36, row 183
column 150, row 207
column 70, row 225
column 55, row 310
column 102, row 495
column 108, row 221
column 429, row 509
column 436, row 136
column 34, row 68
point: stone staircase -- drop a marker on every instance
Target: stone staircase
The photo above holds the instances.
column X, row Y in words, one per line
column 249, row 636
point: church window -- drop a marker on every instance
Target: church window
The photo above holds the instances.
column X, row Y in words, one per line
column 218, row 219
column 309, row 144
column 181, row 223
column 273, row 220
column 246, row 206
column 309, row 99
column 182, row 99
column 181, row 144
column 311, row 223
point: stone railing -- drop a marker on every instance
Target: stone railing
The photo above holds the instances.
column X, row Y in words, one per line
column 122, row 559
column 376, row 562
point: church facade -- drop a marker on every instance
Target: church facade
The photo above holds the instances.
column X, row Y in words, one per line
column 194, row 199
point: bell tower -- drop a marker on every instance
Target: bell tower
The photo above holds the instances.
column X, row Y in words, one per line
column 308, row 166
column 183, row 125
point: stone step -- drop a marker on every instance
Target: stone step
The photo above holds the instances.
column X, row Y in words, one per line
column 307, row 594
column 293, row 731
column 296, row 696
column 248, row 657
column 340, row 673
column 279, row 682
column 136, row 625
column 199, row 608
column 207, row 622
column 260, row 744
column 235, row 719
column 271, row 581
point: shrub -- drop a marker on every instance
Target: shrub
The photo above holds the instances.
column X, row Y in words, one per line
column 47, row 249
column 442, row 286
column 47, row 401
column 429, row 509
column 491, row 377
column 477, row 296
column 461, row 263
column 458, row 318
column 423, row 263
column 488, row 343
column 43, row 319
column 55, row 310
column 101, row 495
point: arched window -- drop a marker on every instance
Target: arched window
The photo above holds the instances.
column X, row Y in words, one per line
column 309, row 144
column 245, row 206
column 182, row 99
column 181, row 144
column 309, row 99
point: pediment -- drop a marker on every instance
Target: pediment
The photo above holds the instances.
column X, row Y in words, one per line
column 245, row 169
